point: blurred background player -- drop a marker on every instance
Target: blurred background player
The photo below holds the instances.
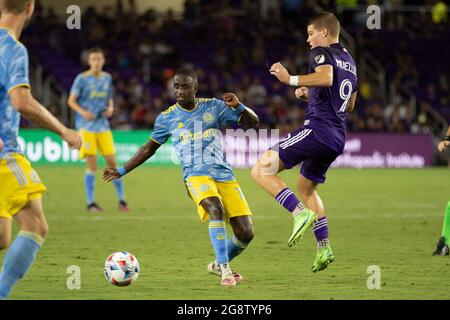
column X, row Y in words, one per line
column 194, row 126
column 330, row 88
column 20, row 186
column 91, row 98
column 442, row 247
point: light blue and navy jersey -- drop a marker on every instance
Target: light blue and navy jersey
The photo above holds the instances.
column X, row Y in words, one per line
column 13, row 74
column 196, row 136
column 93, row 94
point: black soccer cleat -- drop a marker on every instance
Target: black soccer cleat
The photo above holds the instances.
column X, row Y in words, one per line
column 93, row 207
column 442, row 248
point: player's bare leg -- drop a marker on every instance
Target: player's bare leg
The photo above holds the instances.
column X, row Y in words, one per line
column 307, row 190
column 118, row 184
column 264, row 173
column 32, row 219
column 22, row 252
column 218, row 236
column 309, row 195
column 5, row 232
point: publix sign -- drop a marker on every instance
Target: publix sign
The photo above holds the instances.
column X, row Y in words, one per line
column 48, row 149
column 41, row 146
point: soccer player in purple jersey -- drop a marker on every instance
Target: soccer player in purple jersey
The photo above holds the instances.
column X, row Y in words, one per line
column 330, row 89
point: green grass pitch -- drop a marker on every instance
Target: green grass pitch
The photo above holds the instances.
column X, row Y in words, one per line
column 388, row 218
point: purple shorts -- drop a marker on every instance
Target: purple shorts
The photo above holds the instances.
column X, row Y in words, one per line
column 301, row 145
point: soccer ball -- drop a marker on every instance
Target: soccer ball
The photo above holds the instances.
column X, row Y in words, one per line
column 121, row 268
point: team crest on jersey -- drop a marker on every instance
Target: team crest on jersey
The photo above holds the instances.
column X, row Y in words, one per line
column 208, row 117
column 320, row 58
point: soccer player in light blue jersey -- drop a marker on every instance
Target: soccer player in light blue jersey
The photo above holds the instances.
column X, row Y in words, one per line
column 20, row 186
column 91, row 98
column 194, row 127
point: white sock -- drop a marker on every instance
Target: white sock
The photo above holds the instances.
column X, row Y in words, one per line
column 298, row 209
column 225, row 267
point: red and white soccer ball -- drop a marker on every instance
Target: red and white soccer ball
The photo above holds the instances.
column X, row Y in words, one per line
column 121, row 268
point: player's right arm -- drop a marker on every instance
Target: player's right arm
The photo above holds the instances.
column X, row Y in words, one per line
column 443, row 145
column 144, row 153
column 159, row 136
column 73, row 99
column 23, row 102
column 302, row 93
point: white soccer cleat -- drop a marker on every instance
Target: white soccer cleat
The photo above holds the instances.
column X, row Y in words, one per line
column 228, row 279
column 214, row 268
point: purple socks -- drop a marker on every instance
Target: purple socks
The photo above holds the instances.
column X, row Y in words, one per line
column 288, row 200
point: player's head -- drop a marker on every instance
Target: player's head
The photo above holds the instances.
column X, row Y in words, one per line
column 22, row 9
column 323, row 30
column 185, row 86
column 96, row 59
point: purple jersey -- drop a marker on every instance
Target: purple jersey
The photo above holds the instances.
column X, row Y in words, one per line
column 327, row 106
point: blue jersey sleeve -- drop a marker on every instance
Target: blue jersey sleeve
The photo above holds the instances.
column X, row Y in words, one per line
column 18, row 70
column 319, row 57
column 227, row 116
column 77, row 86
column 160, row 132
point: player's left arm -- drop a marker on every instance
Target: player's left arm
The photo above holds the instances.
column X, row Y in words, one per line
column 321, row 77
column 110, row 109
column 351, row 103
column 248, row 116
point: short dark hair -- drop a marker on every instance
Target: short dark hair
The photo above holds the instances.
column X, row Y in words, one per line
column 187, row 72
column 14, row 6
column 326, row 20
column 96, row 50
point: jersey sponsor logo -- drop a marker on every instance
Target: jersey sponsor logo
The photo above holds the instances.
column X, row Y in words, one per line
column 320, row 58
column 98, row 94
column 187, row 136
column 180, row 125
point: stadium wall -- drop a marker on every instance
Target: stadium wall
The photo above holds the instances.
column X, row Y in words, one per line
column 366, row 150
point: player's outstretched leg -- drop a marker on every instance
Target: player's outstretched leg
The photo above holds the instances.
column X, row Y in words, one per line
column 442, row 247
column 23, row 250
column 243, row 234
column 218, row 237
column 264, row 173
